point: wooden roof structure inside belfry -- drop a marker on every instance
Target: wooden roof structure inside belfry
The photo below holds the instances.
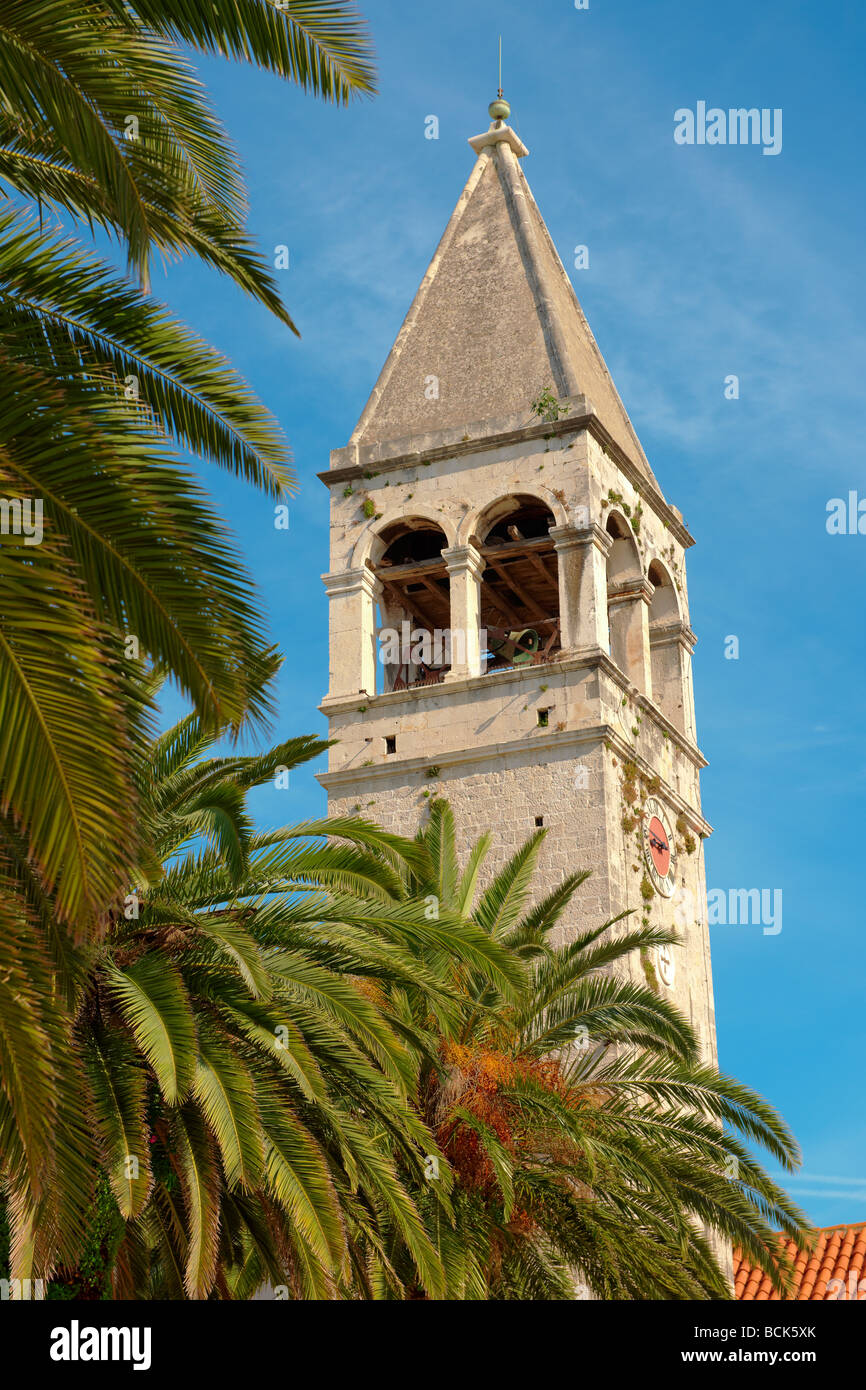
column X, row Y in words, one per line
column 519, row 583
column 520, row 587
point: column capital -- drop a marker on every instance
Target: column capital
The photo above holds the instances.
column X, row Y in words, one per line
column 464, row 559
column 630, row 591
column 669, row 633
column 567, row 538
column 356, row 581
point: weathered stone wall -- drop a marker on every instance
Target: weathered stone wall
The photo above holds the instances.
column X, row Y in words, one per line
column 568, row 471
column 482, row 749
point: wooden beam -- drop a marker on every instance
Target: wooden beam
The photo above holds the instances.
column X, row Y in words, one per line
column 410, row 602
column 415, row 569
column 438, row 594
column 511, row 548
column 500, row 601
column 538, row 564
column 521, row 593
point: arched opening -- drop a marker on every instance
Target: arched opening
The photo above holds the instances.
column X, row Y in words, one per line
column 669, row 659
column 623, row 569
column 519, row 611
column 623, row 561
column 414, row 628
column 664, row 607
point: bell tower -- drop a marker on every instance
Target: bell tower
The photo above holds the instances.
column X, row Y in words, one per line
column 509, row 619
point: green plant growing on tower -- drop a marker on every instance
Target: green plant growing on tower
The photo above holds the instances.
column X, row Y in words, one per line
column 547, row 407
column 649, row 971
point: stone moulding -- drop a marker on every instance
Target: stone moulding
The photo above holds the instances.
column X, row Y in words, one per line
column 345, row 779
column 581, row 661
column 586, row 421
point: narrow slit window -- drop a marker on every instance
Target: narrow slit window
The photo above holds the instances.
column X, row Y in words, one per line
column 391, row 743
column 543, row 718
column 539, row 822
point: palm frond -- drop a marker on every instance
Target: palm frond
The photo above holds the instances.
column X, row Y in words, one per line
column 155, row 1006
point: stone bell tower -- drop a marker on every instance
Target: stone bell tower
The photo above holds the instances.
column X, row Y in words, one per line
column 509, row 621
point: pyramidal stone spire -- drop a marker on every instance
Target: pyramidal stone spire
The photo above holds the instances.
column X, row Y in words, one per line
column 495, row 323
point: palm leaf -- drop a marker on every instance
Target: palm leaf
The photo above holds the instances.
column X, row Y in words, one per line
column 319, row 44
column 155, row 1006
column 118, row 1087
column 224, row 1091
column 200, row 1182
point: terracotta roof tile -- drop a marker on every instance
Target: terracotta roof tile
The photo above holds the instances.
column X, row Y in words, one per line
column 833, row 1270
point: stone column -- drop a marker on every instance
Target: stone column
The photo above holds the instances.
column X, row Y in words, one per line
column 393, row 615
column 628, row 614
column 352, row 599
column 671, row 647
column 465, row 567
column 581, row 557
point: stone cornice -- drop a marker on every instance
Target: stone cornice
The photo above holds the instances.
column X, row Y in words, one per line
column 675, row 735
column 443, row 447
column 627, row 590
column 592, row 658
column 347, row 778
column 619, row 745
column 459, row 757
column 669, row 634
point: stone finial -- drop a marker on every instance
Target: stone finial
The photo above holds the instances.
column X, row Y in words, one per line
column 499, row 132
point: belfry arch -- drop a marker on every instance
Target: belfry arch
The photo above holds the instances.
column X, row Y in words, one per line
column 664, row 604
column 671, row 644
column 519, row 585
column 628, row 597
column 414, row 602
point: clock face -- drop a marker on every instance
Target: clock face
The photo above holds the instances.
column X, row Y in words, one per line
column 659, row 850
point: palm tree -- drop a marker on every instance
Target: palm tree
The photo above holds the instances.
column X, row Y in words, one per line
column 109, row 552
column 585, row 1137
column 244, row 1093
column 102, row 118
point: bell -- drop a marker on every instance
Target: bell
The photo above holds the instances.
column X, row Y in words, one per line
column 517, row 648
column 528, row 638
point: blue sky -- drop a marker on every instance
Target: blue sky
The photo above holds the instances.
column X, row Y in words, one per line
column 704, row 262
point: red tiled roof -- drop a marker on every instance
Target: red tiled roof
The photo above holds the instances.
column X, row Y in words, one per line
column 840, row 1254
